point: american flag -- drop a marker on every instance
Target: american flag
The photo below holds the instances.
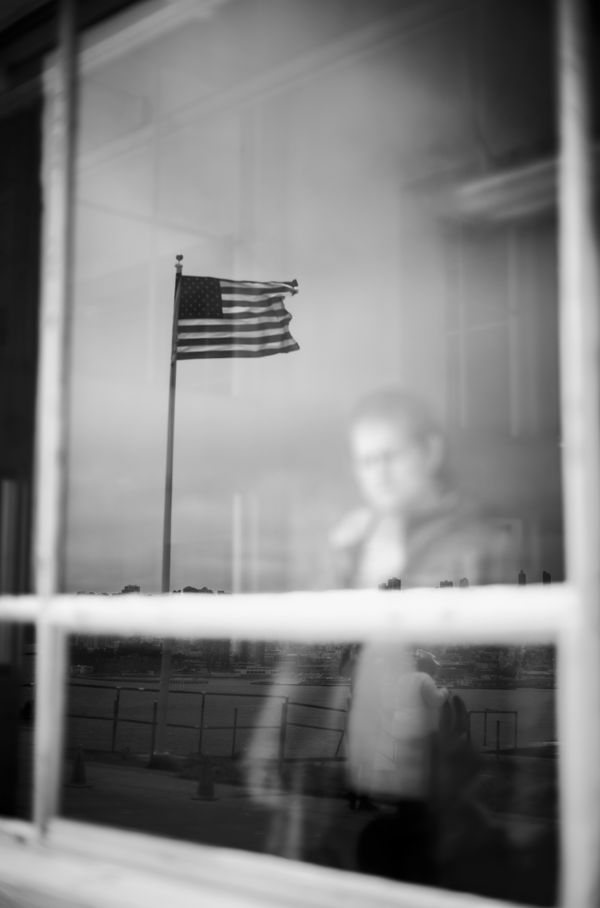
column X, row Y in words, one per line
column 221, row 318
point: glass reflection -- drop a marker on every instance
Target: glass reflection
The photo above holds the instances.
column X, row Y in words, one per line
column 434, row 765
column 415, row 525
column 425, row 258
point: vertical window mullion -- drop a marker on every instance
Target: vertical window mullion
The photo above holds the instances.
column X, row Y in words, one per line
column 52, row 407
column 50, row 711
column 579, row 703
column 55, row 310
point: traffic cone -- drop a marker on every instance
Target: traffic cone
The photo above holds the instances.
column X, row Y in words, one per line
column 206, row 783
column 78, row 777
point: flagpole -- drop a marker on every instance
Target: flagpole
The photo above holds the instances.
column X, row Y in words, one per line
column 160, row 746
column 166, row 548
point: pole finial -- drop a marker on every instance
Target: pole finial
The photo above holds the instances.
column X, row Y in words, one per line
column 178, row 265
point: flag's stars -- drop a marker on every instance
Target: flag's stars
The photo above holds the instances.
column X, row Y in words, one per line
column 200, row 297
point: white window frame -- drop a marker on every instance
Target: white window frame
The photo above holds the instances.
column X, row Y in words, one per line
column 71, row 862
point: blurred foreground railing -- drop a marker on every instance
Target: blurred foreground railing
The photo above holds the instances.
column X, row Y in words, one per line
column 285, row 721
column 495, row 730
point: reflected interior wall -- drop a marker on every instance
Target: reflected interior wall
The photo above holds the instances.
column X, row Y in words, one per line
column 326, row 144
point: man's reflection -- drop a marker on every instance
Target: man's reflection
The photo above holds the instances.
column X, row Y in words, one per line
column 414, row 524
column 414, row 810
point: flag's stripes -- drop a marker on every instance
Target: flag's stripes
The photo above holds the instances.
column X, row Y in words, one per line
column 246, row 299
column 248, row 323
column 222, row 318
column 245, row 335
column 226, row 350
column 243, row 324
column 251, row 308
column 238, row 313
column 234, row 341
column 247, row 288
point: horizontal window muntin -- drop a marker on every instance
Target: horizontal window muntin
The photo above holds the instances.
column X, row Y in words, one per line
column 495, row 613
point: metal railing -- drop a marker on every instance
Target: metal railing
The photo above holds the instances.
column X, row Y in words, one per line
column 491, row 731
column 203, row 726
column 490, row 713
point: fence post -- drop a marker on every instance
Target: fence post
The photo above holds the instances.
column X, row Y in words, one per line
column 154, row 725
column 345, row 727
column 115, row 721
column 282, row 731
column 497, row 739
column 516, row 730
column 201, row 729
column 234, row 735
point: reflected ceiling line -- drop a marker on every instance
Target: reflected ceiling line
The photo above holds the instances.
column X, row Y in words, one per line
column 134, row 28
column 191, row 229
column 421, row 15
column 126, row 32
column 512, row 194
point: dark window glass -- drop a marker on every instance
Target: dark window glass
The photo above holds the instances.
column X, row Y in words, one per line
column 433, row 765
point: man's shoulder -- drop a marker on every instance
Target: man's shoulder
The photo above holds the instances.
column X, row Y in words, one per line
column 463, row 541
column 465, row 517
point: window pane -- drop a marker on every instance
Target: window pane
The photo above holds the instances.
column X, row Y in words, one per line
column 434, row 764
column 356, row 148
column 17, row 653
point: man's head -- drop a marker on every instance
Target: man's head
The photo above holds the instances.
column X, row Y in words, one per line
column 399, row 452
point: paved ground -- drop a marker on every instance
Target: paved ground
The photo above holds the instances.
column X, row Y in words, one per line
column 159, row 802
column 121, row 791
column 133, row 796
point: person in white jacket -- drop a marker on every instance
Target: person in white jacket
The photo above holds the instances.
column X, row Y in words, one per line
column 393, row 723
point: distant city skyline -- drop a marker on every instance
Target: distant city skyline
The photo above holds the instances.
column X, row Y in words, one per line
column 392, row 583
